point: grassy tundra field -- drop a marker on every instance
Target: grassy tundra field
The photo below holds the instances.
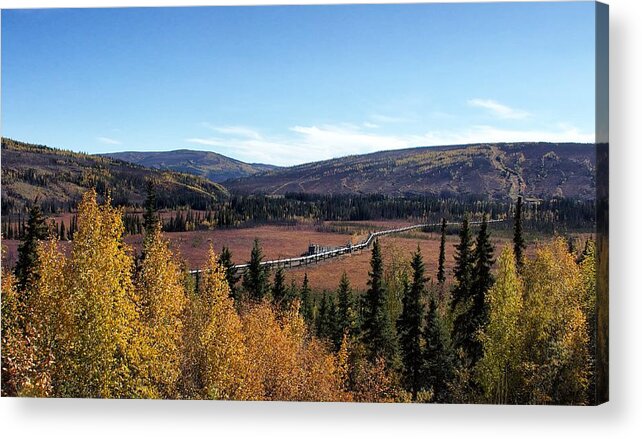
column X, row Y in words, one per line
column 289, row 241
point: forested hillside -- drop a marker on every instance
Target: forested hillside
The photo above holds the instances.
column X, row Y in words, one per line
column 215, row 167
column 497, row 171
column 58, row 178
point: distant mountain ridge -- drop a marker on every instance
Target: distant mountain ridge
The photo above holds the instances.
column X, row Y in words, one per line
column 57, row 178
column 207, row 164
column 498, row 170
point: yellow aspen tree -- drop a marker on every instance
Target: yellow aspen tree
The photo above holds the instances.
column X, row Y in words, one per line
column 272, row 357
column 291, row 365
column 161, row 296
column 323, row 374
column 555, row 328
column 502, row 338
column 33, row 327
column 192, row 355
column 104, row 357
column 227, row 371
column 48, row 312
column 17, row 352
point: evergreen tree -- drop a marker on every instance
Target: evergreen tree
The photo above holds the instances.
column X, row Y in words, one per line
column 306, row 301
column 518, row 240
column 482, row 281
column 255, row 279
column 9, row 234
column 463, row 328
column 441, row 271
column 279, row 290
column 378, row 331
column 437, row 357
column 332, row 320
column 463, row 266
column 346, row 312
column 230, row 272
column 323, row 320
column 150, row 216
column 35, row 230
column 474, row 315
column 409, row 326
column 62, row 235
column 292, row 293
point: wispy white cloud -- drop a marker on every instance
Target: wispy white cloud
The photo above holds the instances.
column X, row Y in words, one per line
column 312, row 143
column 108, row 141
column 500, row 110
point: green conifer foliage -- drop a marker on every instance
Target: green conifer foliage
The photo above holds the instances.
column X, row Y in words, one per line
column 255, row 279
column 279, row 290
column 36, row 230
column 306, row 301
column 225, row 260
column 437, row 358
column 378, row 331
column 409, row 326
column 441, row 270
column 346, row 310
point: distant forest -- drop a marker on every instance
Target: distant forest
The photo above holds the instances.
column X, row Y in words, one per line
column 556, row 215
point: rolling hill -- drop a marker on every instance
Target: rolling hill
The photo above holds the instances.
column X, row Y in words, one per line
column 215, row 167
column 58, row 178
column 500, row 170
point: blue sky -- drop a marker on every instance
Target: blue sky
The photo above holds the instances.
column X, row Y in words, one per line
column 288, row 85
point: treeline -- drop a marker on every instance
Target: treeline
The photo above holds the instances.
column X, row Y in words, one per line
column 102, row 322
column 555, row 216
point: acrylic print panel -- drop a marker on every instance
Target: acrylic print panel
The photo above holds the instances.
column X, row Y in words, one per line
column 356, row 203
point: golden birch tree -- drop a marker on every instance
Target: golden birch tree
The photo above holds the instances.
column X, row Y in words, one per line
column 502, row 337
column 227, row 373
column 555, row 328
column 104, row 357
column 162, row 299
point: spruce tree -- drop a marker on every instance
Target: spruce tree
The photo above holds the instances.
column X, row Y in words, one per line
column 306, row 301
column 482, row 276
column 35, row 230
column 332, row 321
column 378, row 331
column 323, row 321
column 346, row 312
column 230, row 272
column 279, row 290
column 292, row 293
column 463, row 327
column 518, row 240
column 255, row 279
column 62, row 234
column 437, row 358
column 476, row 314
column 441, row 270
column 463, row 271
column 409, row 326
column 150, row 216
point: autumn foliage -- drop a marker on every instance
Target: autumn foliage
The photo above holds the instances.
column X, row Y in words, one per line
column 103, row 322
